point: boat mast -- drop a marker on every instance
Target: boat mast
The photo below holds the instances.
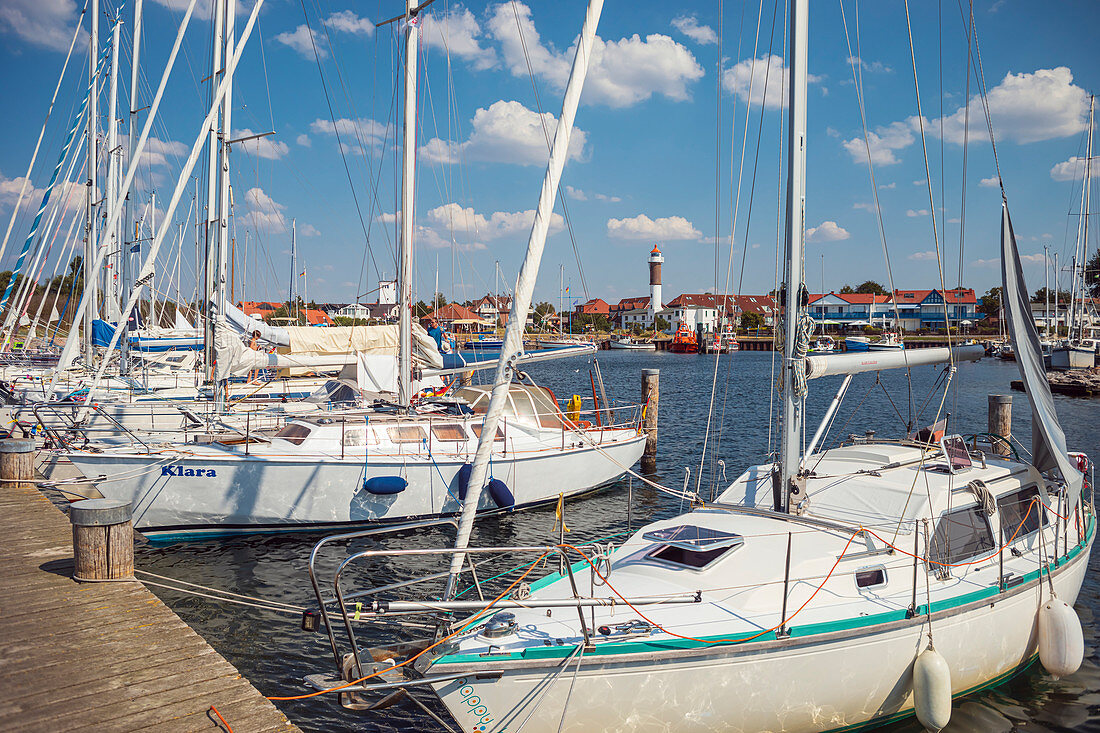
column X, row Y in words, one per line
column 408, row 188
column 292, row 301
column 131, row 138
column 229, row 16
column 1083, row 259
column 114, row 160
column 791, row 423
column 211, row 194
column 90, row 202
column 1046, row 291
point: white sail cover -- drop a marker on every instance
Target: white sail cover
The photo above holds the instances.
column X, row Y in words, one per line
column 1048, row 442
column 874, row 361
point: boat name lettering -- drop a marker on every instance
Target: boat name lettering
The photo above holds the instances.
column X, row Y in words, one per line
column 466, row 692
column 175, row 471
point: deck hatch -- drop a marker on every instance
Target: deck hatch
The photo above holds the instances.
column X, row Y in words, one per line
column 691, row 546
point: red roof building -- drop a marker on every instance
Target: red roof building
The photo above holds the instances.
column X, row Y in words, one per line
column 594, row 307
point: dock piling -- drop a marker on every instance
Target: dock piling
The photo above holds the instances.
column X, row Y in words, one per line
column 1000, row 422
column 103, row 539
column 17, row 462
column 651, row 394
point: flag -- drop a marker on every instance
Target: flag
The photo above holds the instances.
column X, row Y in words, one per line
column 559, row 513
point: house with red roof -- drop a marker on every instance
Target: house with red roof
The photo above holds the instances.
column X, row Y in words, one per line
column 855, row 309
column 457, row 318
column 593, row 307
column 918, row 309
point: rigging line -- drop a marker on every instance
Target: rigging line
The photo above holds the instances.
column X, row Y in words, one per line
column 748, row 214
column 983, row 92
column 857, row 79
column 546, row 135
column 931, row 195
column 966, row 138
column 42, row 132
column 336, row 130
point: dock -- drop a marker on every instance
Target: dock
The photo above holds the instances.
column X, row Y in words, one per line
column 102, row 656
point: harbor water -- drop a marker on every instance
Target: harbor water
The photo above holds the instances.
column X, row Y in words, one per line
column 275, row 654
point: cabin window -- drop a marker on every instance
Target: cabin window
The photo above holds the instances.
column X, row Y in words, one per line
column 476, row 427
column 355, row 436
column 407, row 434
column 871, row 577
column 688, row 546
column 449, row 431
column 294, row 433
column 961, row 534
column 1021, row 512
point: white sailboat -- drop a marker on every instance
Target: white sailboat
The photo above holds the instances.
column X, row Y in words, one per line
column 831, row 590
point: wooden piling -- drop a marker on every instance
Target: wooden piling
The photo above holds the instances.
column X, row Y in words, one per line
column 17, row 462
column 103, row 539
column 1000, row 422
column 651, row 394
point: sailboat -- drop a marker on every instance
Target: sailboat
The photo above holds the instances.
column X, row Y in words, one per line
column 831, row 590
column 408, row 457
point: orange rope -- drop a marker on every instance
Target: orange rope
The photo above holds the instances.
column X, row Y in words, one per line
column 419, row 654
column 228, row 727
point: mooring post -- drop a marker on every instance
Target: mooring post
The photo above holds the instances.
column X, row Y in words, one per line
column 465, row 379
column 651, row 395
column 1000, row 422
column 17, row 462
column 103, row 539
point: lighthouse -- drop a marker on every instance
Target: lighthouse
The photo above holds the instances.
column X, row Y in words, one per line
column 655, row 303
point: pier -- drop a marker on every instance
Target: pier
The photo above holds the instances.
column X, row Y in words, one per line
column 102, row 656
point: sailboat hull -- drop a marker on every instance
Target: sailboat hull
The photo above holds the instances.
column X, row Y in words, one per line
column 1072, row 358
column 862, row 674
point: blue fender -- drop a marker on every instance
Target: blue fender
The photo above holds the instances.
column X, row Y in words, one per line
column 500, row 494
column 384, row 485
column 464, row 480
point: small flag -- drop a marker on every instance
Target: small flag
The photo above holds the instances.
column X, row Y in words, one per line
column 567, row 288
column 559, row 512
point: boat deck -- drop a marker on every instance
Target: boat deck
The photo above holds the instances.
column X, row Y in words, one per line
column 102, row 656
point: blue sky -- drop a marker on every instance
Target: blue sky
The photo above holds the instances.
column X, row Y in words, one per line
column 657, row 156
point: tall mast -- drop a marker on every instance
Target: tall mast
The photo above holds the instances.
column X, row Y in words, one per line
column 212, row 153
column 1083, row 260
column 1046, row 291
column 114, row 160
column 292, row 307
column 223, row 188
column 93, row 156
column 791, row 428
column 131, row 140
column 408, row 188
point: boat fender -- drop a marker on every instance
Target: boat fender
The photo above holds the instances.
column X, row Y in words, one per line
column 464, row 479
column 573, row 408
column 932, row 690
column 384, row 485
column 1061, row 642
column 500, row 494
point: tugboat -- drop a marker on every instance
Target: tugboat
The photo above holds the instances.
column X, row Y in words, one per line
column 684, row 341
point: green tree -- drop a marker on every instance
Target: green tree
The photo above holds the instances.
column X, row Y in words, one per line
column 991, row 302
column 1055, row 296
column 871, row 287
column 660, row 324
column 601, row 323
column 439, row 302
column 1092, row 274
column 751, row 319
column 847, row 290
column 421, row 309
column 543, row 309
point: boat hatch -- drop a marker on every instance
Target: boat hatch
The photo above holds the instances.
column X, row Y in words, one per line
column 294, row 433
column 691, row 546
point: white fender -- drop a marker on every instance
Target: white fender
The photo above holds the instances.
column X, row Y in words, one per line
column 932, row 690
column 1061, row 642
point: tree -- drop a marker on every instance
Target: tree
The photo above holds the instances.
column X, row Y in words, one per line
column 1055, row 296
column 991, row 302
column 421, row 309
column 871, row 287
column 660, row 324
column 601, row 323
column 439, row 302
column 751, row 319
column 1092, row 275
column 847, row 290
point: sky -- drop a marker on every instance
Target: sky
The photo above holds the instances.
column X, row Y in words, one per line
column 678, row 141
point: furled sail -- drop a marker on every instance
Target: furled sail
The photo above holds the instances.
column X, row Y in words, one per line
column 1048, row 442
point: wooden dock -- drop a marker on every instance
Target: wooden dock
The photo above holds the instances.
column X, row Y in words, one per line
column 102, row 656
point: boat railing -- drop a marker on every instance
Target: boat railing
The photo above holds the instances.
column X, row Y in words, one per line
column 505, row 587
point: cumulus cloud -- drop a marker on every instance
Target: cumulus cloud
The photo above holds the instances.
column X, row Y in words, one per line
column 689, row 25
column 266, row 147
column 71, row 195
column 620, row 74
column 358, row 136
column 827, row 231
column 874, row 67
column 883, row 142
column 506, row 132
column 304, row 140
column 455, row 225
column 579, row 195
column 663, row 229
column 45, row 23
column 758, row 81
column 265, row 214
column 923, row 256
column 916, row 212
column 345, row 21
column 1069, row 170
column 157, row 151
column 457, row 33
column 991, row 182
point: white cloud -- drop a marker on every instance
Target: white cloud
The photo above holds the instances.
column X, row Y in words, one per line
column 452, row 224
column 923, row 256
column 457, row 32
column 690, row 27
column 1069, row 170
column 889, row 186
column 301, row 40
column 576, row 193
column 356, row 135
column 46, row 23
column 875, row 67
column 995, row 262
column 642, row 227
column 991, row 182
column 621, row 73
column 827, row 231
column 751, row 76
column 1026, row 108
column 507, row 132
column 864, row 206
column 71, row 195
column 308, row 230
column 303, row 140
column 883, row 142
column 265, row 214
column 266, row 147
column 609, row 199
column 916, row 212
column 157, row 151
